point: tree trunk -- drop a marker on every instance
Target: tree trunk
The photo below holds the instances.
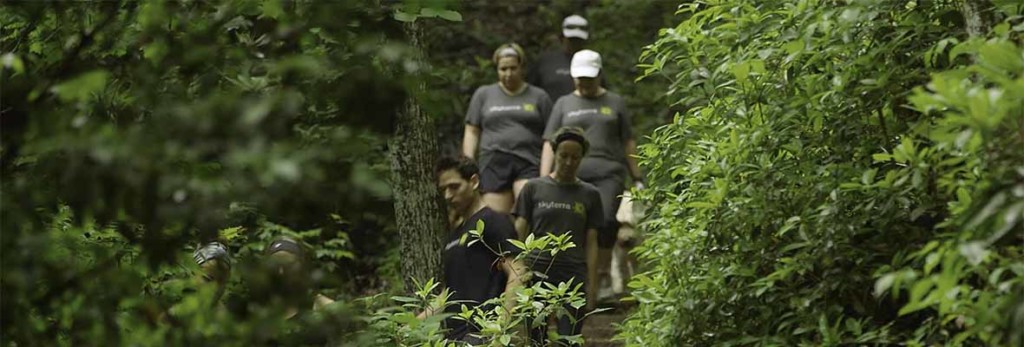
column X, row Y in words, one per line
column 418, row 204
column 978, row 16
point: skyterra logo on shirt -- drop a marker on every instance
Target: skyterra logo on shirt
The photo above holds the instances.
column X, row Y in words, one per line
column 576, row 207
column 505, row 108
column 578, row 113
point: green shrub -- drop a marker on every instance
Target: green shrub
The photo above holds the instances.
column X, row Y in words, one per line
column 816, row 194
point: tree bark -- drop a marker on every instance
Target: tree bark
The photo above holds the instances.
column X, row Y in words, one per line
column 978, row 17
column 418, row 203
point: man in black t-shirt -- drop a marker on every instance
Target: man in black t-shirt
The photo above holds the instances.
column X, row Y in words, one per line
column 475, row 272
column 551, row 71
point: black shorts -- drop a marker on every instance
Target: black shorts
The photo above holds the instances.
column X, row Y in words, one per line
column 501, row 170
column 611, row 189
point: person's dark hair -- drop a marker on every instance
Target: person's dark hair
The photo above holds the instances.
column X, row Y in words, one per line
column 465, row 166
column 572, row 134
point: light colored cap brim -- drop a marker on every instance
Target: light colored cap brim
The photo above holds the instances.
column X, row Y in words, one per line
column 577, row 33
column 584, row 71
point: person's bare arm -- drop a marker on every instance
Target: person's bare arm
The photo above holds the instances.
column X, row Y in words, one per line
column 591, row 288
column 547, row 159
column 430, row 310
column 517, row 275
column 634, row 168
column 522, row 228
column 470, row 140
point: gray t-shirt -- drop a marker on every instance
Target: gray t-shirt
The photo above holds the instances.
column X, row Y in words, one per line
column 607, row 125
column 551, row 207
column 509, row 124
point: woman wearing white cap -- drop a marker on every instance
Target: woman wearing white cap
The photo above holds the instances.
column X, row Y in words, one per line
column 606, row 120
column 504, row 124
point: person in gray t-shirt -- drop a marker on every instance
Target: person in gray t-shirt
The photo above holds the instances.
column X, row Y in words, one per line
column 559, row 204
column 504, row 123
column 604, row 117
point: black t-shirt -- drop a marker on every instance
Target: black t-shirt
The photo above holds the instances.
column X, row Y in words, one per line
column 551, row 73
column 472, row 272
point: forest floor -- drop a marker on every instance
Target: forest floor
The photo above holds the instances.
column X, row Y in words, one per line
column 599, row 329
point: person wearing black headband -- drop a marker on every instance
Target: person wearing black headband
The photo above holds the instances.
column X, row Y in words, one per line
column 288, row 261
column 560, row 203
column 504, row 124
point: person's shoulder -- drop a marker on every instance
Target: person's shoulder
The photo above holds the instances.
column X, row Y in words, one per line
column 566, row 98
column 614, row 97
column 587, row 185
column 487, row 88
column 537, row 181
column 536, row 92
column 490, row 214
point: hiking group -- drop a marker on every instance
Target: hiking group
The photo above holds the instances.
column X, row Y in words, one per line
column 531, row 165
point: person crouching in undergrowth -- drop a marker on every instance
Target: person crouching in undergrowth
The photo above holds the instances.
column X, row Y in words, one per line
column 475, row 272
column 289, row 266
column 215, row 262
column 559, row 204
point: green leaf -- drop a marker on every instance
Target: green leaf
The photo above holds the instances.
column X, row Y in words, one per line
column 404, row 17
column 272, row 9
column 1003, row 56
column 83, row 86
column 884, row 283
column 439, row 13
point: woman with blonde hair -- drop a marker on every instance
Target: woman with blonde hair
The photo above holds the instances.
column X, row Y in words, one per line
column 504, row 125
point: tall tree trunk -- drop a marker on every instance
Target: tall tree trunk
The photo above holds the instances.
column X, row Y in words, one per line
column 979, row 17
column 418, row 204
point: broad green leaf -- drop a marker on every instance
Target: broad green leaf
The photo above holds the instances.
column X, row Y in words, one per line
column 82, row 87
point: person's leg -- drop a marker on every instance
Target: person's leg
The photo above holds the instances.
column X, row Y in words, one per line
column 496, row 182
column 524, row 171
column 499, row 201
column 610, row 189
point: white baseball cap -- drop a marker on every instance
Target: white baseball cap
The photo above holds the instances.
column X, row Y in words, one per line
column 575, row 26
column 585, row 63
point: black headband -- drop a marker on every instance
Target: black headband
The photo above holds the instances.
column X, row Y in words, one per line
column 567, row 134
column 285, row 245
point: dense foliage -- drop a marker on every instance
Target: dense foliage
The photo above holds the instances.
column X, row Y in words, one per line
column 133, row 131
column 847, row 172
column 159, row 124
